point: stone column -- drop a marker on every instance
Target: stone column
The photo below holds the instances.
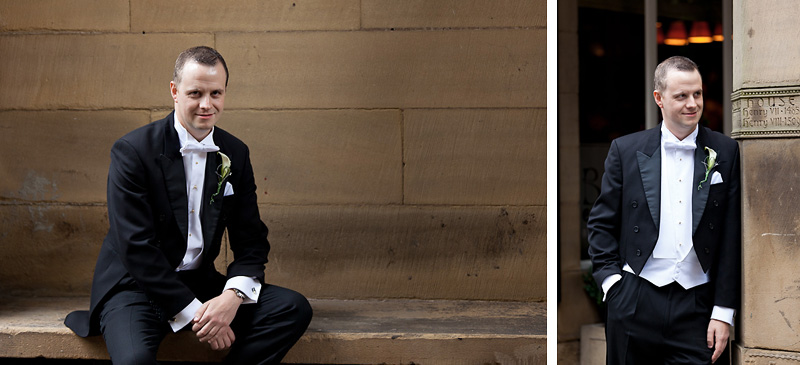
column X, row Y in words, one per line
column 766, row 122
column 575, row 309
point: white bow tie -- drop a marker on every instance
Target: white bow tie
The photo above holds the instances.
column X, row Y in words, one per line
column 681, row 145
column 192, row 146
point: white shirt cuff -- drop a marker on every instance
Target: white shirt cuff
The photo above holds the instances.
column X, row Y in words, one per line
column 249, row 286
column 608, row 282
column 724, row 314
column 185, row 316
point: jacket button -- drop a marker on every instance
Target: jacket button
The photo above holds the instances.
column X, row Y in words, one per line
column 716, row 203
column 706, row 250
column 635, row 229
column 635, row 204
column 162, row 218
column 711, row 226
column 638, row 252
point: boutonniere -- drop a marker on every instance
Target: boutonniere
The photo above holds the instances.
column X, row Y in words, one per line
column 224, row 173
column 710, row 162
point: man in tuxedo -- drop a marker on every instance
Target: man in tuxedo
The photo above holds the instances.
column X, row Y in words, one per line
column 174, row 187
column 664, row 234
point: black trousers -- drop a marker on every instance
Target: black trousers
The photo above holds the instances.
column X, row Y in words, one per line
column 657, row 325
column 265, row 331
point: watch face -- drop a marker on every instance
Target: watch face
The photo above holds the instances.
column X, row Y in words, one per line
column 238, row 293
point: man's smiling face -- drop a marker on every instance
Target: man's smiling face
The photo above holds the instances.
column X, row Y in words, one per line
column 681, row 102
column 199, row 97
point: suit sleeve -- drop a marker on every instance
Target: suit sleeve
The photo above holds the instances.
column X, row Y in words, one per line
column 728, row 276
column 246, row 231
column 133, row 232
column 604, row 220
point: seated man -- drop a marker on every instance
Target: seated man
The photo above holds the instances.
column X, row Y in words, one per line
column 174, row 186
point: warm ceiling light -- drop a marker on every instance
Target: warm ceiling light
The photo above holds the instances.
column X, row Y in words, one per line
column 700, row 32
column 659, row 33
column 676, row 36
column 718, row 33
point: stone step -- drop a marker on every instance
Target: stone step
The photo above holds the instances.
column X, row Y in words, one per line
column 396, row 331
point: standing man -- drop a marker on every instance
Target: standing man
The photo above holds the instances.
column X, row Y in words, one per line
column 174, row 187
column 664, row 234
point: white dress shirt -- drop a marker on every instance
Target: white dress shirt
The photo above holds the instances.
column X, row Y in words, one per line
column 194, row 164
column 673, row 258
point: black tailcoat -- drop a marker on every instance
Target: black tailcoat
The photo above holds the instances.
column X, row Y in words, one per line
column 624, row 222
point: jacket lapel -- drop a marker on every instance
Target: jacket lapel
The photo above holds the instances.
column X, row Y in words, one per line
column 699, row 196
column 209, row 212
column 650, row 170
column 175, row 176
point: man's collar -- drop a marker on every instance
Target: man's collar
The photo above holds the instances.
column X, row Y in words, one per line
column 183, row 134
column 666, row 134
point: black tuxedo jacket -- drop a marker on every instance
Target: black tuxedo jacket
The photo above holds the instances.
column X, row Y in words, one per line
column 148, row 217
column 623, row 224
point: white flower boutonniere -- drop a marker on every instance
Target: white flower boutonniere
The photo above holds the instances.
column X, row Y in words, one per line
column 710, row 162
column 224, row 173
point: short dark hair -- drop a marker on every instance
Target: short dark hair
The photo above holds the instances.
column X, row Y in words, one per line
column 202, row 55
column 679, row 63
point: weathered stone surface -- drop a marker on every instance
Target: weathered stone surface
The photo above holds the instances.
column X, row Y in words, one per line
column 322, row 156
column 341, row 332
column 455, row 350
column 494, row 68
column 487, row 253
column 50, row 250
column 576, row 308
column 75, row 15
column 465, row 157
column 569, row 352
column 90, row 71
column 345, row 252
column 247, row 16
column 455, row 14
column 568, row 80
column 593, row 344
column 755, row 356
column 763, row 32
column 60, row 156
column 567, row 17
column 770, row 228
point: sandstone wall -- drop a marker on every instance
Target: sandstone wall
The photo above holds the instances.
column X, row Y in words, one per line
column 398, row 146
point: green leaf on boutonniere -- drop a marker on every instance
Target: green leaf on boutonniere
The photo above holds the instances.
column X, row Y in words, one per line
column 710, row 162
column 224, row 173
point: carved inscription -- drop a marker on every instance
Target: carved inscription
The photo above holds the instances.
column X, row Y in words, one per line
column 766, row 113
column 782, row 111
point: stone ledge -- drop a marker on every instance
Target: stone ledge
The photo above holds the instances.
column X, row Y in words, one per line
column 342, row 332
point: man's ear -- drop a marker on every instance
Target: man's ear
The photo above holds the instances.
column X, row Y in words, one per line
column 173, row 89
column 657, row 97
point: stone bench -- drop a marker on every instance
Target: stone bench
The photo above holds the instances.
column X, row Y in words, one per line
column 397, row 331
column 482, row 267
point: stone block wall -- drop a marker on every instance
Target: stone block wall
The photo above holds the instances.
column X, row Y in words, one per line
column 399, row 146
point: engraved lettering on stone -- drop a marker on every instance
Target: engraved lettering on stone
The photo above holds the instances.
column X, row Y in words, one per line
column 771, row 112
column 766, row 112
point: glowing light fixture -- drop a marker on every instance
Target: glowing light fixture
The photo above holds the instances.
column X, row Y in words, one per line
column 676, row 36
column 700, row 32
column 659, row 33
column 718, row 33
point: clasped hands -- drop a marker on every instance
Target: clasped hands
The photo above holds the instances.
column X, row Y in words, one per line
column 212, row 322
